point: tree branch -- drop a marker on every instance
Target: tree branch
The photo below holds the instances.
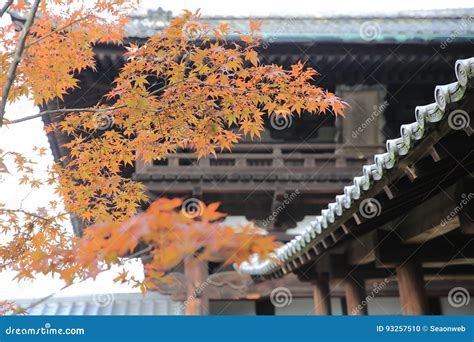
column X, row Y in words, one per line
column 44, row 299
column 11, row 74
column 140, row 253
column 106, row 109
column 5, row 7
column 64, row 110
column 59, row 29
column 27, row 213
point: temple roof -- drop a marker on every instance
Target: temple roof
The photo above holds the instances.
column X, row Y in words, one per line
column 405, row 26
column 448, row 100
column 152, row 303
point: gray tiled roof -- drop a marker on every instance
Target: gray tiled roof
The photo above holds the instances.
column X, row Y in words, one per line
column 434, row 25
column 410, row 134
column 152, row 303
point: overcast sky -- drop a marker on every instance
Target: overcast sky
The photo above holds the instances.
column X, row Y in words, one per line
column 24, row 136
column 300, row 7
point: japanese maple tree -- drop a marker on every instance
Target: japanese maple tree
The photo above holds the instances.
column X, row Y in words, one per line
column 187, row 86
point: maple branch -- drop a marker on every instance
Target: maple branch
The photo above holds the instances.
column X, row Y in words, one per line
column 140, row 253
column 106, row 109
column 65, row 110
column 11, row 74
column 59, row 29
column 89, row 109
column 42, row 300
column 27, row 213
column 5, row 7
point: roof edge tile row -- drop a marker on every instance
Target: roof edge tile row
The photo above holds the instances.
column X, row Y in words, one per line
column 410, row 134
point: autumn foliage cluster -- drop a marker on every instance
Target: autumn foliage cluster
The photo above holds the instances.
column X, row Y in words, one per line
column 186, row 87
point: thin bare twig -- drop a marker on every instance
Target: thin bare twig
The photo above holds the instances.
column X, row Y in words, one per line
column 27, row 213
column 65, row 110
column 44, row 299
column 5, row 7
column 140, row 253
column 11, row 74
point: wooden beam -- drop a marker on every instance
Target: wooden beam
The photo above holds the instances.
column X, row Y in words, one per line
column 339, row 268
column 321, row 297
column 429, row 219
column 453, row 248
column 362, row 250
column 411, row 172
column 411, row 286
column 357, row 219
column 388, row 192
column 437, row 153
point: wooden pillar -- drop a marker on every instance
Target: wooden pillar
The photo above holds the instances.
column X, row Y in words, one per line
column 264, row 307
column 355, row 296
column 434, row 306
column 343, row 305
column 321, row 298
column 411, row 286
column 196, row 272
